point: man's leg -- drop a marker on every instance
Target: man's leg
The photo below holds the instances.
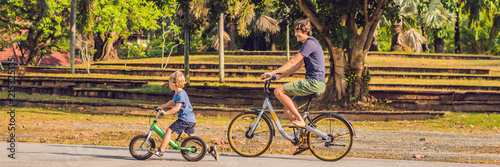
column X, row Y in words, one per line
column 290, row 109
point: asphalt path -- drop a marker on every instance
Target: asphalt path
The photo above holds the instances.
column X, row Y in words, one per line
column 61, row 155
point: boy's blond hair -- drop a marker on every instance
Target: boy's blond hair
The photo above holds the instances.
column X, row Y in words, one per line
column 178, row 79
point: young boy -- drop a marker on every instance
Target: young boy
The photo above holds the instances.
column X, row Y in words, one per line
column 181, row 106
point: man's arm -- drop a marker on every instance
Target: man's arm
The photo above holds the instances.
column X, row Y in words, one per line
column 298, row 58
column 293, row 69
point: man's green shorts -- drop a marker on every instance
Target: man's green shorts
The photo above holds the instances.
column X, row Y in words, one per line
column 300, row 89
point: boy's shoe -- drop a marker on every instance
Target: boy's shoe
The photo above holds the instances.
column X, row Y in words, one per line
column 214, row 153
column 156, row 152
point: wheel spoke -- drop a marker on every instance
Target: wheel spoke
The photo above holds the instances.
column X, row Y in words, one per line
column 338, row 147
column 252, row 144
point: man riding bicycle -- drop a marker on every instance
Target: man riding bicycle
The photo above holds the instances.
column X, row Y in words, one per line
column 311, row 55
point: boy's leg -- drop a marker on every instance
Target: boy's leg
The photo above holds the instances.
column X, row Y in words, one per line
column 166, row 139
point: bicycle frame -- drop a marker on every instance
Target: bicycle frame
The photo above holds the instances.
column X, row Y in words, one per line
column 158, row 131
column 267, row 105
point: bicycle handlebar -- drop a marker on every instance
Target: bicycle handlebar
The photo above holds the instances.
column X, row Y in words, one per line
column 268, row 83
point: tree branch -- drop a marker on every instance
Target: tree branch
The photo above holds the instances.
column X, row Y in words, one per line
column 352, row 24
column 310, row 14
column 365, row 10
column 379, row 9
column 370, row 35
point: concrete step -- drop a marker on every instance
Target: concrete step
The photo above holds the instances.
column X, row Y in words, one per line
column 253, row 97
column 249, row 67
column 140, row 109
column 292, row 53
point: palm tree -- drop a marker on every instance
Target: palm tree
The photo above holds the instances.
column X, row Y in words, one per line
column 436, row 17
column 408, row 9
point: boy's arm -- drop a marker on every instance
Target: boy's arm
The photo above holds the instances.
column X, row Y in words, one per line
column 168, row 104
column 174, row 109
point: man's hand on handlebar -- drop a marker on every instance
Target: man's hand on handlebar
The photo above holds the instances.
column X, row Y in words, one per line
column 270, row 75
column 267, row 75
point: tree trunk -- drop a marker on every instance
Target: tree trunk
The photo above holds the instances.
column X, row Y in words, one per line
column 374, row 45
column 335, row 86
column 33, row 54
column 457, row 33
column 438, row 43
column 272, row 42
column 231, row 45
column 106, row 49
column 397, row 37
column 425, row 45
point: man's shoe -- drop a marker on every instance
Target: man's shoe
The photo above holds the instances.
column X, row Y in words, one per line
column 214, row 153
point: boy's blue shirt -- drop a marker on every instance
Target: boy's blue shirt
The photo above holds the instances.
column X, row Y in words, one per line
column 186, row 112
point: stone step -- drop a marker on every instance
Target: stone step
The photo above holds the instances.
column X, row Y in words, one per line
column 292, row 53
column 232, row 66
column 140, row 109
column 76, row 82
column 236, row 72
column 253, row 97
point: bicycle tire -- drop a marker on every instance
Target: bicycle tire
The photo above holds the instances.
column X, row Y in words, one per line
column 240, row 142
column 194, row 142
column 342, row 134
column 135, row 144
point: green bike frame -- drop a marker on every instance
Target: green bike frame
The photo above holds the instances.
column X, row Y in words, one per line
column 158, row 131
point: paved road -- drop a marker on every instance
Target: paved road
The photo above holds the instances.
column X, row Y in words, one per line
column 59, row 155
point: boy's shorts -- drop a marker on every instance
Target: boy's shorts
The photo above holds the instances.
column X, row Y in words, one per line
column 181, row 125
column 303, row 88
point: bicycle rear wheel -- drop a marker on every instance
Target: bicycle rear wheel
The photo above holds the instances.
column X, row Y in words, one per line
column 199, row 146
column 244, row 143
column 341, row 135
column 138, row 152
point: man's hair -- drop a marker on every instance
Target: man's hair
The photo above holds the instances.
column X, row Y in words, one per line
column 304, row 25
column 178, row 79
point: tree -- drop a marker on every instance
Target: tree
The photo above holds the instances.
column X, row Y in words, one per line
column 36, row 25
column 344, row 24
column 474, row 9
column 435, row 16
column 115, row 20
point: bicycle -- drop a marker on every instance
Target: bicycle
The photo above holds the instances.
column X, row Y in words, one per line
column 329, row 136
column 192, row 148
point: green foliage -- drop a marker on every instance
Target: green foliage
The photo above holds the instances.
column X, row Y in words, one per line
column 37, row 25
column 477, row 40
column 124, row 16
column 132, row 51
column 154, row 48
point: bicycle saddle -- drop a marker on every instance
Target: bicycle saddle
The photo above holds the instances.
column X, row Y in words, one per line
column 316, row 95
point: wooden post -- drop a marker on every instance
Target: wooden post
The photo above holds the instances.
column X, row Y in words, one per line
column 186, row 49
column 73, row 34
column 287, row 41
column 221, row 48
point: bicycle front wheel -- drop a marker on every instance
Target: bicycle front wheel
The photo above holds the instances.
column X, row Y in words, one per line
column 139, row 147
column 198, row 146
column 339, row 142
column 246, row 143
